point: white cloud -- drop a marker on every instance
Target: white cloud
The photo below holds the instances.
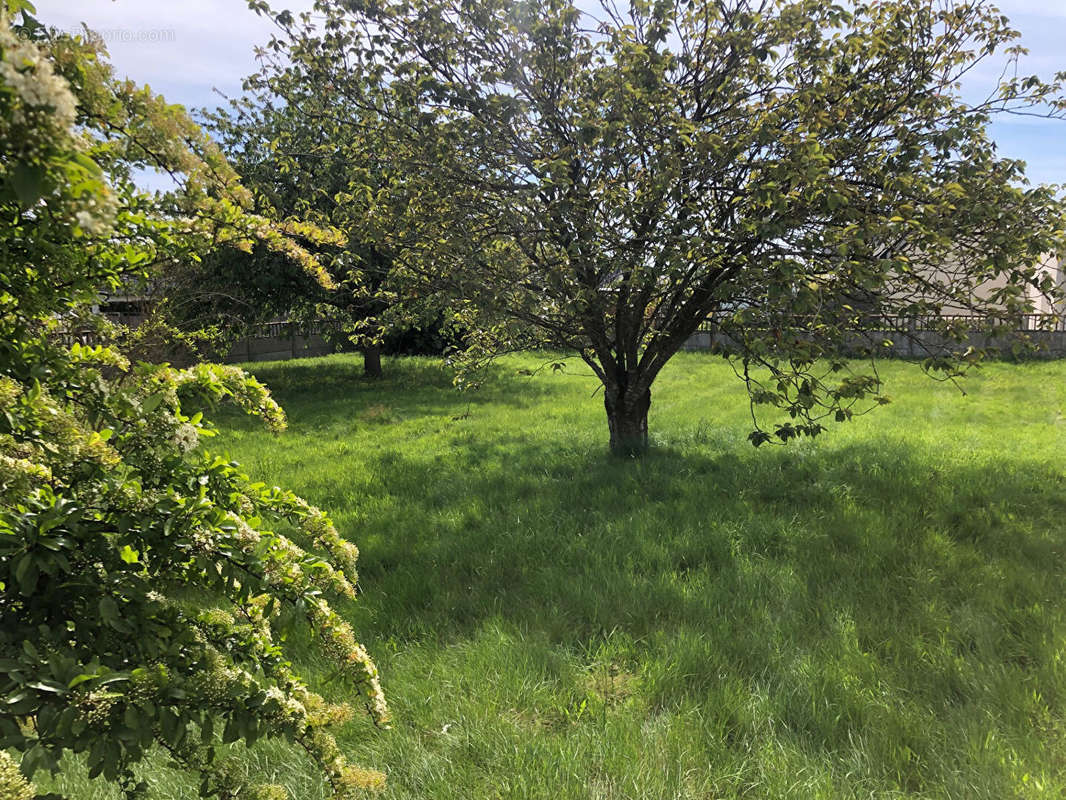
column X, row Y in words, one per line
column 183, row 49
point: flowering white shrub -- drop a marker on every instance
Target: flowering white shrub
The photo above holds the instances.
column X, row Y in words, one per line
column 12, row 785
column 142, row 580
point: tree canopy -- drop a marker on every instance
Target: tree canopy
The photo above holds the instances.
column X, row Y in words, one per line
column 614, row 175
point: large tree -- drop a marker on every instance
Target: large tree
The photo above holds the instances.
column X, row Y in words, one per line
column 616, row 175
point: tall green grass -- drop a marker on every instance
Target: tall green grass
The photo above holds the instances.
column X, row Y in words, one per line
column 875, row 613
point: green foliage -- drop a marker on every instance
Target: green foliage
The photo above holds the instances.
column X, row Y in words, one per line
column 144, row 583
column 614, row 176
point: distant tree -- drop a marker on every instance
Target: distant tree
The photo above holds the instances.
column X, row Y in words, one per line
column 615, row 174
column 200, row 309
column 295, row 148
column 144, row 583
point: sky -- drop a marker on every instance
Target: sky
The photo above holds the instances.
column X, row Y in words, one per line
column 188, row 50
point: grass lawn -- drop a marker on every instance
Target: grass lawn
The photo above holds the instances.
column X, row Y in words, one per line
column 876, row 613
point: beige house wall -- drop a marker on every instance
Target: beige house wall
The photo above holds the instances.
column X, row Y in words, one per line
column 1052, row 265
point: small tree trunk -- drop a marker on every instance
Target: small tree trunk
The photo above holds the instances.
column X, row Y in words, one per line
column 627, row 420
column 372, row 361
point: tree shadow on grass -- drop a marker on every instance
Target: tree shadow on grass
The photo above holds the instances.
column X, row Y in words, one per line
column 318, row 391
column 877, row 590
column 510, row 524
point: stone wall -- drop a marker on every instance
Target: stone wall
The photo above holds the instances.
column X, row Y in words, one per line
column 280, row 348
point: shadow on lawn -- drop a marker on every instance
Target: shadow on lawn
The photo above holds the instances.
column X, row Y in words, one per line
column 318, row 391
column 875, row 593
column 577, row 545
column 943, row 578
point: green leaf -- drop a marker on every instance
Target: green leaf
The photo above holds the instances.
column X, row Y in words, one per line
column 151, row 403
column 79, row 679
column 28, row 182
column 37, row 757
column 21, row 703
column 27, row 573
column 109, row 611
column 51, row 687
column 171, row 726
column 17, row 6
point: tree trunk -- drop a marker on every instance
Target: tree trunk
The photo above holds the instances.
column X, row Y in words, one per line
column 372, row 361
column 627, row 419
